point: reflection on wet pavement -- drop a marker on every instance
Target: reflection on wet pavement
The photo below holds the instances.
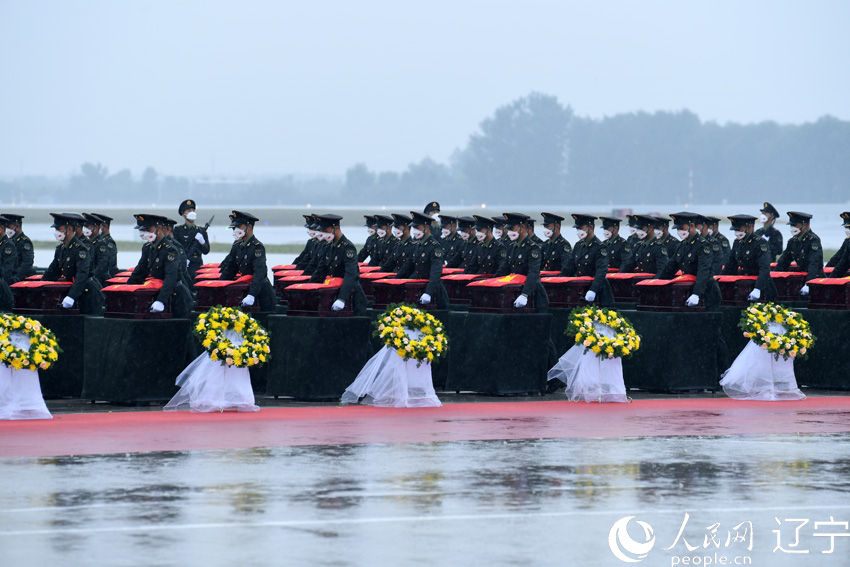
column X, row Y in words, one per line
column 540, row 502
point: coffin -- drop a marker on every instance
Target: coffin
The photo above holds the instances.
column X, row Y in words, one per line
column 497, row 295
column 227, row 293
column 788, row 285
column 367, row 279
column 829, row 293
column 389, row 291
column 456, row 286
column 281, row 283
column 316, row 299
column 567, row 292
column 623, row 285
column 124, row 301
column 735, row 290
column 34, row 297
column 276, row 268
column 667, row 295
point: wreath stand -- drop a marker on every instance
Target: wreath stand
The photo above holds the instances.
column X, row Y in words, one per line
column 20, row 391
column 589, row 377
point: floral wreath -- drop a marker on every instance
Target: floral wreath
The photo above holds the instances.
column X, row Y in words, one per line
column 392, row 327
column 798, row 337
column 44, row 349
column 581, row 326
column 210, row 328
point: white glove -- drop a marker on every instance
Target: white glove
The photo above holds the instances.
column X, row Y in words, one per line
column 425, row 299
column 755, row 294
column 692, row 300
column 187, row 263
column 200, row 238
column 68, row 302
column 521, row 302
column 338, row 305
column 157, row 307
column 249, row 300
column 805, row 290
column 590, row 296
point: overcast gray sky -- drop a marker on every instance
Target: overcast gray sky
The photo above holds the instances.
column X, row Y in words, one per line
column 271, row 87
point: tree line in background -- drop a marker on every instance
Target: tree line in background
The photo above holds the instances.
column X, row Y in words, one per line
column 533, row 151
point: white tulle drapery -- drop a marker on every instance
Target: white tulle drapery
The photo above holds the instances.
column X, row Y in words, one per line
column 20, row 390
column 207, row 385
column 589, row 377
column 757, row 375
column 387, row 380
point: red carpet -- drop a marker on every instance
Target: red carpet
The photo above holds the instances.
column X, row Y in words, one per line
column 130, row 432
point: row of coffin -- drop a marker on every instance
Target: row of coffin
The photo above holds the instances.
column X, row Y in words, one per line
column 476, row 292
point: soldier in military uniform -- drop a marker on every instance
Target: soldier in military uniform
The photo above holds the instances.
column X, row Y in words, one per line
column 467, row 246
column 425, row 262
column 105, row 250
column 719, row 243
column 616, row 245
column 89, row 232
column 161, row 260
column 194, row 240
column 803, row 247
column 8, row 259
column 23, row 247
column 557, row 251
column 319, row 249
column 647, row 255
column 72, row 262
column 750, row 256
column 402, row 246
column 183, row 265
column 303, row 259
column 368, row 250
column 590, row 259
column 523, row 257
column 694, row 257
column 487, row 255
column 841, row 260
column 452, row 243
column 845, row 246
column 768, row 231
column 340, row 261
column 499, row 232
column 532, row 236
column 661, row 226
column 631, row 245
column 432, row 210
column 247, row 257
column 384, row 243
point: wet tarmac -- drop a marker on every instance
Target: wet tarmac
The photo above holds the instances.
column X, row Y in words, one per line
column 524, row 502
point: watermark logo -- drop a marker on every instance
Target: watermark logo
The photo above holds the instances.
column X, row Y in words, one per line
column 624, row 547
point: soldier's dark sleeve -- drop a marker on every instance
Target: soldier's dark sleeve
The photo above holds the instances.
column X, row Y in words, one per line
column 81, row 277
column 730, row 268
column 473, row 262
column 725, row 252
column 601, row 270
column 316, row 258
column 260, row 269
column 705, row 272
column 532, row 278
column 666, row 265
column 628, row 263
column 170, row 258
column 54, row 270
column 101, row 268
column 205, row 247
column 10, row 259
column 764, row 260
column 838, row 255
column 504, row 264
column 303, row 258
column 142, row 269
column 786, row 258
column 842, row 265
column 437, row 254
column 407, row 268
column 321, row 269
column 814, row 258
column 569, row 267
column 776, row 243
column 352, row 273
column 228, row 267
column 389, row 264
column 26, row 258
column 565, row 251
column 366, row 251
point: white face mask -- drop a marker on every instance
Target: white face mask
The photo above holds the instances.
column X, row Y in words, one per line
column 547, row 233
column 464, row 235
column 370, row 231
column 382, row 232
column 10, row 232
column 416, row 233
column 607, row 234
column 87, row 232
column 238, row 233
column 795, row 231
column 480, row 236
column 513, row 235
column 436, row 217
column 327, row 236
column 147, row 236
column 445, row 232
column 632, row 230
column 582, row 234
column 739, row 234
column 710, row 231
column 640, row 233
column 397, row 232
column 683, row 234
column 191, row 215
column 847, row 232
column 497, row 232
column 658, row 233
column 59, row 236
column 763, row 218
